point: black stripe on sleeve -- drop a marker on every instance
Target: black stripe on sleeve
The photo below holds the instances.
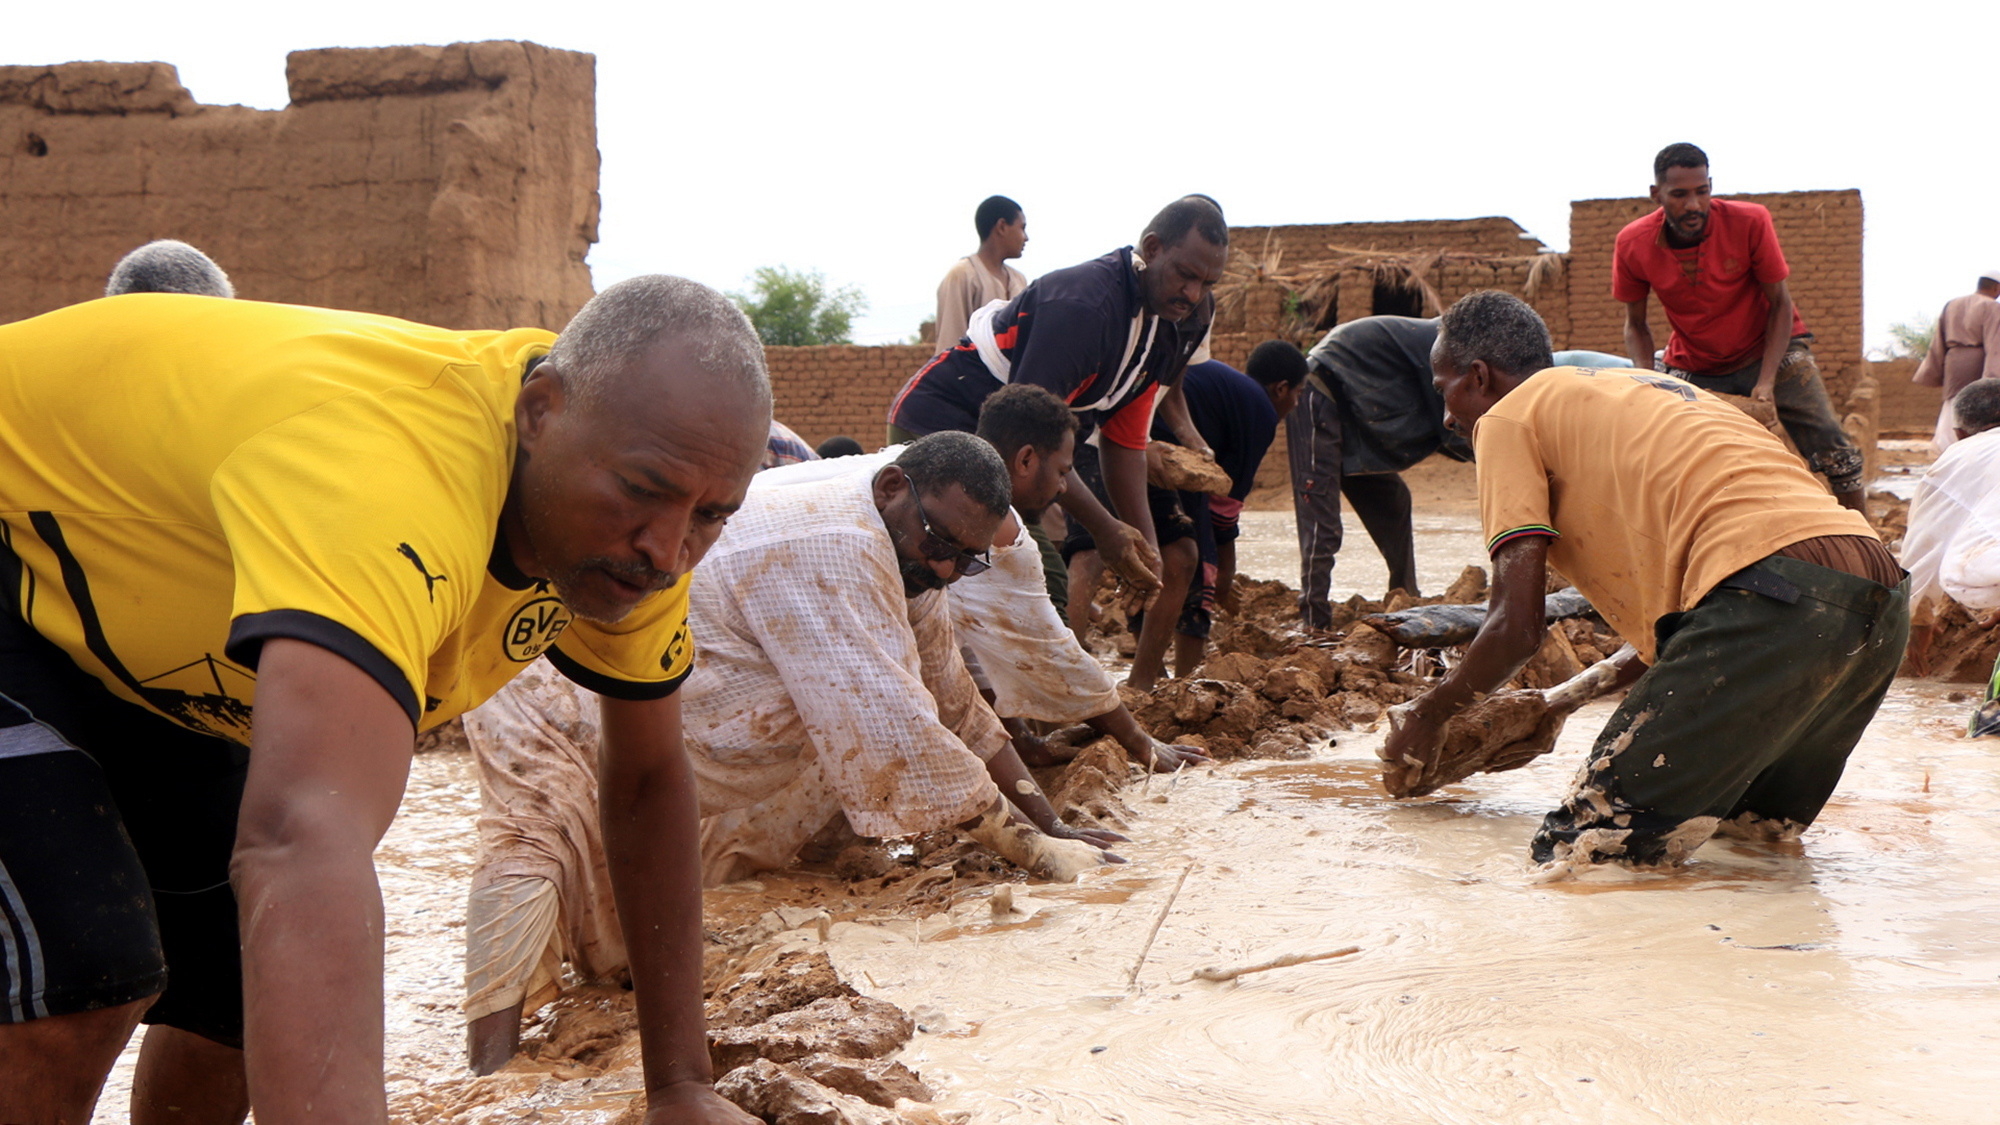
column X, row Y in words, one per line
column 248, row 633
column 615, row 688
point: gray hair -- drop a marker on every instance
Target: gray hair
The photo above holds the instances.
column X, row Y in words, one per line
column 1977, row 407
column 937, row 461
column 167, row 266
column 624, row 321
column 1497, row 327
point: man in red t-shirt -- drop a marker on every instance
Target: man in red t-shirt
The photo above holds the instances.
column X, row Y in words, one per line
column 1720, row 275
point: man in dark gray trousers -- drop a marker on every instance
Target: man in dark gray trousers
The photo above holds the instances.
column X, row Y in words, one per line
column 1368, row 413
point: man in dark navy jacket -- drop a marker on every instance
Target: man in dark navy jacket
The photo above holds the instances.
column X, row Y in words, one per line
column 1104, row 336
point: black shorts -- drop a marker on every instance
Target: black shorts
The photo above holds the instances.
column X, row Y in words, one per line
column 115, row 841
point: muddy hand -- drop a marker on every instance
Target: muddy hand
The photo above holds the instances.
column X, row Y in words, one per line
column 690, row 1103
column 1168, row 757
column 1412, row 747
column 1096, row 837
column 1028, row 847
column 1131, row 558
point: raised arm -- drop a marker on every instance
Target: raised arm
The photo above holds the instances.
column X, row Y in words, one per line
column 329, row 758
column 651, row 821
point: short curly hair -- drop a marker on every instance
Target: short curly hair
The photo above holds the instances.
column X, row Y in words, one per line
column 937, row 461
column 1497, row 327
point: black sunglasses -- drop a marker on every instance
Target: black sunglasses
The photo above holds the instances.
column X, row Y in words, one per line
column 939, row 549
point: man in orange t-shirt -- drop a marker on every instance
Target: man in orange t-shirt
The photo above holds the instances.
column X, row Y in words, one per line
column 1720, row 276
column 1768, row 620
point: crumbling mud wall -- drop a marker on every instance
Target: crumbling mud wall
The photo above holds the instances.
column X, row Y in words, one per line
column 1821, row 235
column 453, row 185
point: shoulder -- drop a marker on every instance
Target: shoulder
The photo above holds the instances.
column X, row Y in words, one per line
column 960, row 272
column 1641, row 229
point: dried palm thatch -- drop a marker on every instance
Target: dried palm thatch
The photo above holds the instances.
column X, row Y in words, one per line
column 1309, row 287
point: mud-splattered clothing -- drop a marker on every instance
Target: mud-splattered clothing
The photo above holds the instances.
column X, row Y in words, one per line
column 1019, row 646
column 811, row 654
column 185, row 478
column 1652, row 490
column 1013, row 637
column 535, row 745
column 1756, row 697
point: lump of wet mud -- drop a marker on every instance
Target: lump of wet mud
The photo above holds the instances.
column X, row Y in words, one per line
column 863, row 861
column 585, row 1024
column 877, row 1081
column 1499, row 732
column 791, row 982
column 859, row 1027
column 1084, row 792
column 1369, row 647
column 1471, row 587
column 783, row 1095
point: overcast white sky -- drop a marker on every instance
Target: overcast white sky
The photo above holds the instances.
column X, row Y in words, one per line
column 856, row 139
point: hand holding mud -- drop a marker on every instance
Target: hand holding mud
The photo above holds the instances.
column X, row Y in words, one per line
column 1028, row 847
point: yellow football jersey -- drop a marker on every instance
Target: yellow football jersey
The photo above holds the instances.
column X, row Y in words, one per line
column 183, row 478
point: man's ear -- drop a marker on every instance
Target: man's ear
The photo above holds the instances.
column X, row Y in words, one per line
column 542, row 398
column 1025, row 460
column 1653, row 193
column 1480, row 376
column 889, row 484
column 1150, row 246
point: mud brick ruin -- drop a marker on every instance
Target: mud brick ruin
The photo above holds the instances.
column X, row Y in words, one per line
column 452, row 185
column 458, row 185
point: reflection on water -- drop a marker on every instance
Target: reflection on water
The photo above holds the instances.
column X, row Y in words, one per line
column 1849, row 977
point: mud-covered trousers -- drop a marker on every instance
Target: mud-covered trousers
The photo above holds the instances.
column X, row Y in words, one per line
column 1744, row 722
column 1381, row 500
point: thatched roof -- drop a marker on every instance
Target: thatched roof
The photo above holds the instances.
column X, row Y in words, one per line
column 1311, row 283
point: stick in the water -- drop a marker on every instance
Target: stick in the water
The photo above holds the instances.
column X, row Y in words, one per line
column 1285, row 962
column 1132, row 978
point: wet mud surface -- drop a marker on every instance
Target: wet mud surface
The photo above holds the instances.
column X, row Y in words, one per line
column 1851, row 976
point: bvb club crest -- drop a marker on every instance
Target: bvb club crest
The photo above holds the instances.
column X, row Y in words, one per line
column 534, row 628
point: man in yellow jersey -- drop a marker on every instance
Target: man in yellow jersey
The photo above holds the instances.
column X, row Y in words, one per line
column 250, row 550
column 1772, row 617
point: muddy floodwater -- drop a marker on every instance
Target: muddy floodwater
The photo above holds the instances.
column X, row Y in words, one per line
column 1852, row 977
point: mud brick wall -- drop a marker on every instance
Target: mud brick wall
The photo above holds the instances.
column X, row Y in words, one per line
column 1820, row 232
column 822, row 392
column 1906, row 408
column 453, row 185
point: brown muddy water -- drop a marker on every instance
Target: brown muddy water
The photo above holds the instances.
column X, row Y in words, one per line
column 1852, row 977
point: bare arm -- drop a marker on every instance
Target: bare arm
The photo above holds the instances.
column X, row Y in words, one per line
column 1011, row 775
column 650, row 816
column 1638, row 335
column 1514, row 627
column 330, row 755
column 1225, row 575
column 1148, row 751
column 1777, row 337
column 1125, row 548
column 1173, row 410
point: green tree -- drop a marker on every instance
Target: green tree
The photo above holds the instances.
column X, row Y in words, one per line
column 796, row 308
column 1911, row 338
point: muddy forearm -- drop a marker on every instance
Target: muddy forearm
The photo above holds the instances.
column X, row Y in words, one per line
column 1011, row 775
column 1513, row 631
